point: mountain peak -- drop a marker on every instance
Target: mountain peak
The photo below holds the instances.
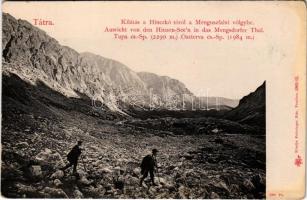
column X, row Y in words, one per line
column 27, row 47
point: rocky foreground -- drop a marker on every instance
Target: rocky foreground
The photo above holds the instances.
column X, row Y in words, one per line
column 211, row 165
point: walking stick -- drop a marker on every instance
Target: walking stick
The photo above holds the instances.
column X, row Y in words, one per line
column 83, row 164
column 157, row 170
column 158, row 175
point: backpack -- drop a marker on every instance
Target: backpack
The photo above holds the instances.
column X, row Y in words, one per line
column 70, row 155
column 147, row 163
column 73, row 154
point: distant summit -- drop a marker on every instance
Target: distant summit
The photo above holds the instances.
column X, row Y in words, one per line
column 34, row 56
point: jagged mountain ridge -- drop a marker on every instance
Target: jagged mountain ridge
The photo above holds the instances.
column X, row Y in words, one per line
column 251, row 108
column 162, row 84
column 35, row 55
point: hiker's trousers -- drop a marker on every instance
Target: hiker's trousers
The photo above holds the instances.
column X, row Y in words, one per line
column 72, row 163
column 151, row 172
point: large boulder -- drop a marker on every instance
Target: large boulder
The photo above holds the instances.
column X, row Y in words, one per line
column 96, row 192
column 152, row 191
column 57, row 175
column 183, row 192
column 22, row 145
column 83, row 180
column 48, row 157
column 105, row 170
column 165, row 183
column 137, row 171
column 49, row 192
column 77, row 194
column 131, row 180
column 25, row 189
column 222, row 186
column 248, row 185
column 213, row 195
column 35, row 171
column 57, row 182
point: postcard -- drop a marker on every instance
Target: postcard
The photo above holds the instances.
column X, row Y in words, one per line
column 153, row 99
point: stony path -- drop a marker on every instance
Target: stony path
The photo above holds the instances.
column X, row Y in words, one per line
column 195, row 166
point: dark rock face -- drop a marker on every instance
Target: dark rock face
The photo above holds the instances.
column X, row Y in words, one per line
column 251, row 109
column 97, row 77
column 109, row 81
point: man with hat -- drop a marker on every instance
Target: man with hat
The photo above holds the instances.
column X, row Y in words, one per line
column 73, row 157
column 149, row 163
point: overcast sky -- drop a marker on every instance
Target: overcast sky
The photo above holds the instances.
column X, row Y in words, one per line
column 226, row 69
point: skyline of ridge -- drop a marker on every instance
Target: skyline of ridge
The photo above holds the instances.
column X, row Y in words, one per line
column 182, row 65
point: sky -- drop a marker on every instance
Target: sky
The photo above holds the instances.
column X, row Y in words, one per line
column 229, row 69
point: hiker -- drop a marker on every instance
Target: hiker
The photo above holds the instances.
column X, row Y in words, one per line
column 149, row 163
column 73, row 157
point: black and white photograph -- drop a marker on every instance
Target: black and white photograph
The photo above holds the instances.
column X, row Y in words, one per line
column 89, row 111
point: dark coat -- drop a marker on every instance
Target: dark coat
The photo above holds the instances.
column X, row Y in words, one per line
column 148, row 163
column 74, row 154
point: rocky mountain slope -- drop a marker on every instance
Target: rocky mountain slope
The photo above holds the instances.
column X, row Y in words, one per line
column 199, row 157
column 47, row 106
column 34, row 55
column 163, row 85
column 251, row 108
